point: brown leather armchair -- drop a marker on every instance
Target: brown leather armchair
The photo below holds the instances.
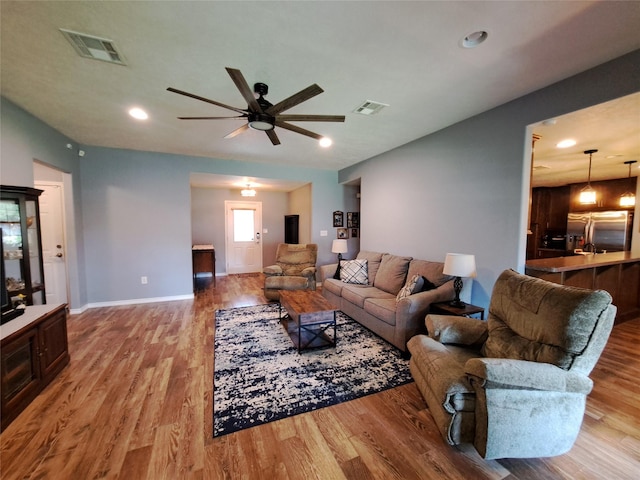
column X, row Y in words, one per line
column 295, row 269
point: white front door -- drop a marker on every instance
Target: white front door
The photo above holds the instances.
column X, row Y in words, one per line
column 53, row 244
column 243, row 237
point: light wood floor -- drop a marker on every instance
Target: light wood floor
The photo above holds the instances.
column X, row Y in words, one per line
column 136, row 403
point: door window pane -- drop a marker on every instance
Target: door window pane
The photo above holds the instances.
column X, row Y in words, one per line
column 243, row 225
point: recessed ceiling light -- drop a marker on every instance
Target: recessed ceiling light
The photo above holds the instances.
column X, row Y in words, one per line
column 325, row 142
column 569, row 142
column 474, row 39
column 138, row 113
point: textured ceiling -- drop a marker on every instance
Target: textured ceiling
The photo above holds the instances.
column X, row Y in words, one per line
column 405, row 54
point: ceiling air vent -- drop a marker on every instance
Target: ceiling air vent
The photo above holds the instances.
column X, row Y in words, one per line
column 369, row 107
column 97, row 48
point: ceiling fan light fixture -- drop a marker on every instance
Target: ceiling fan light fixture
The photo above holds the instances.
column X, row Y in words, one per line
column 261, row 121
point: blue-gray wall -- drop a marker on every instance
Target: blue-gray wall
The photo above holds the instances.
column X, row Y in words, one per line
column 463, row 189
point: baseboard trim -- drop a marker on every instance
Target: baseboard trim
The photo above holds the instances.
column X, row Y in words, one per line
column 133, row 301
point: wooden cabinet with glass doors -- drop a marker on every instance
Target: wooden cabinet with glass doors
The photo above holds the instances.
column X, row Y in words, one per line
column 21, row 244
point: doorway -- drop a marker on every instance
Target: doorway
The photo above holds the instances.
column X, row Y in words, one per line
column 291, row 228
column 243, row 243
column 53, row 241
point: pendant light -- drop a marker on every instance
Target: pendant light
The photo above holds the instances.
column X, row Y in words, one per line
column 588, row 194
column 248, row 192
column 628, row 199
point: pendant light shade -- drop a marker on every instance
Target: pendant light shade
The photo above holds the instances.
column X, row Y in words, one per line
column 628, row 199
column 248, row 192
column 588, row 194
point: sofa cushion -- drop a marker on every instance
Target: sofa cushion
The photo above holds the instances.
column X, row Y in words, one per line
column 373, row 263
column 531, row 319
column 332, row 285
column 382, row 308
column 432, row 271
column 354, row 271
column 357, row 294
column 392, row 273
column 413, row 285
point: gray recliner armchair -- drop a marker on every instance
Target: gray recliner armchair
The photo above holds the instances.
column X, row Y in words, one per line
column 516, row 385
column 295, row 269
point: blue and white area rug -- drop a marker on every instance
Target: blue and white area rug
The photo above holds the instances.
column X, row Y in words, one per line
column 259, row 377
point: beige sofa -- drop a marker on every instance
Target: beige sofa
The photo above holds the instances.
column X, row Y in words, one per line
column 375, row 304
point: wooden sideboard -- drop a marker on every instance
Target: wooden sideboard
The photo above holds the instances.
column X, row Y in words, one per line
column 34, row 349
column 618, row 273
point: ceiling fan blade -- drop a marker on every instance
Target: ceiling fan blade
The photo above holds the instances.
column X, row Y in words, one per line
column 197, row 97
column 273, row 137
column 243, row 86
column 311, row 118
column 294, row 128
column 295, row 99
column 240, row 117
column 237, row 131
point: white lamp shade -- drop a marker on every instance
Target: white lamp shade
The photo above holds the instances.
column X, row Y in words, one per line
column 339, row 246
column 460, row 265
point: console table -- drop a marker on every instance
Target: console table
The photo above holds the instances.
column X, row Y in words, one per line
column 203, row 258
column 34, row 351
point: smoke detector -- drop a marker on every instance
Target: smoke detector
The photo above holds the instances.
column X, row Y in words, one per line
column 369, row 107
column 97, row 48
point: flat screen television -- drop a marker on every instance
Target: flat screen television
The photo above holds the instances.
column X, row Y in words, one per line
column 8, row 312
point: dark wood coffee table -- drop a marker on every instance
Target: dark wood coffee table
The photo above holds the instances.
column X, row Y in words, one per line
column 310, row 319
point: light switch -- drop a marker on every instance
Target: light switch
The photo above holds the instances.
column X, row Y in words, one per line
column 323, row 233
column 265, row 230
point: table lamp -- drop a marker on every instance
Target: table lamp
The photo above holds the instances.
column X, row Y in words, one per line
column 339, row 246
column 459, row 265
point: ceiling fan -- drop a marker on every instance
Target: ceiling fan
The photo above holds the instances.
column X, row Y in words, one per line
column 261, row 114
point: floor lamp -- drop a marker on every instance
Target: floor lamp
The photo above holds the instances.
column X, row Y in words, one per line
column 339, row 246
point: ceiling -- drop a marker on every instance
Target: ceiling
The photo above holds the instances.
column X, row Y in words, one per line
column 404, row 54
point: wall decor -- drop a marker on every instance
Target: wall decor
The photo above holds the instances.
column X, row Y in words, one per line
column 343, row 233
column 353, row 219
column 338, row 218
column 354, row 233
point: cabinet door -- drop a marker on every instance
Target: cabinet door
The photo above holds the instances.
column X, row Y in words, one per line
column 21, row 377
column 53, row 345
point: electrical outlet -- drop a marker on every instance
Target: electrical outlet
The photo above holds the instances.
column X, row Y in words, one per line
column 144, row 280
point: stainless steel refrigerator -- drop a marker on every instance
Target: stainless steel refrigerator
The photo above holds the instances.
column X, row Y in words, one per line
column 610, row 231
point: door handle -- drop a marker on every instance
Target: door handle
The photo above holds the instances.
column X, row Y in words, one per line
column 59, row 255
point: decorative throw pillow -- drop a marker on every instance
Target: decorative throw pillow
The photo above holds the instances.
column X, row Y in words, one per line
column 354, row 271
column 427, row 285
column 414, row 285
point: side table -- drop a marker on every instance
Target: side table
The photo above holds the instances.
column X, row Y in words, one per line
column 443, row 308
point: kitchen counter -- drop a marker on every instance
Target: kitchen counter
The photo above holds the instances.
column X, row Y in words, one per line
column 618, row 273
column 578, row 262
